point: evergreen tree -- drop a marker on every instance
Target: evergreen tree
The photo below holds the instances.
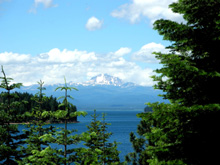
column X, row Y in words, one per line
column 49, row 104
column 36, row 150
column 186, row 131
column 65, row 136
column 10, row 138
column 98, row 150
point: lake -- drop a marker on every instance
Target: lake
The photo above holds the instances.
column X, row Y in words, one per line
column 122, row 123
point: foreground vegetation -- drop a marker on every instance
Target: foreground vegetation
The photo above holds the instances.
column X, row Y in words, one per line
column 32, row 146
column 182, row 132
column 186, row 131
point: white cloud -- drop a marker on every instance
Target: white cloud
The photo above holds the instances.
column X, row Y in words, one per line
column 119, row 53
column 75, row 65
column 152, row 9
column 141, row 76
column 145, row 53
column 93, row 24
column 66, row 56
column 13, row 58
column 45, row 3
column 122, row 51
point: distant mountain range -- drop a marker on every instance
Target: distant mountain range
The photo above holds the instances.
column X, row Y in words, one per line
column 104, row 92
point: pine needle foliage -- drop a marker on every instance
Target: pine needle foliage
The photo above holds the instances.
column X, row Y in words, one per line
column 98, row 148
column 37, row 150
column 11, row 140
column 65, row 137
column 186, row 130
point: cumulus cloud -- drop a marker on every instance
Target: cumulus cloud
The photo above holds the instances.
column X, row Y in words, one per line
column 122, row 51
column 13, row 58
column 152, row 9
column 66, row 56
column 119, row 53
column 45, row 3
column 145, row 53
column 93, row 24
column 75, row 65
column 141, row 76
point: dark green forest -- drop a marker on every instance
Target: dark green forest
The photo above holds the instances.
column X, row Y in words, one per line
column 182, row 132
column 28, row 103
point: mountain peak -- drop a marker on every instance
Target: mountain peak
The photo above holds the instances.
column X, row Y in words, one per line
column 105, row 79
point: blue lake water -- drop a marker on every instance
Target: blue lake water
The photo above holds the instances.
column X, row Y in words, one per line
column 122, row 123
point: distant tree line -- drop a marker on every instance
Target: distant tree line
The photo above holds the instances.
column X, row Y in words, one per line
column 50, row 104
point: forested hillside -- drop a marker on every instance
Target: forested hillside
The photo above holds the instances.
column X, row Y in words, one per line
column 28, row 103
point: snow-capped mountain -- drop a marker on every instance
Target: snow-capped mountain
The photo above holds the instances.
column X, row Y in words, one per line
column 105, row 79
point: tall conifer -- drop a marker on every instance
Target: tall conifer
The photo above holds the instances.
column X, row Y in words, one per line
column 186, row 131
column 37, row 150
column 10, row 139
column 65, row 137
column 98, row 148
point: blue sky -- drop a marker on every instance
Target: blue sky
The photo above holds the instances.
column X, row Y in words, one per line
column 49, row 39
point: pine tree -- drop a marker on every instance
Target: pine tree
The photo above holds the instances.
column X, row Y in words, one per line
column 37, row 150
column 98, row 150
column 10, row 139
column 186, row 130
column 65, row 137
column 49, row 104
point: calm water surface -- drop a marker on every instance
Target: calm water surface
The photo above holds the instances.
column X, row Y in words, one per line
column 122, row 123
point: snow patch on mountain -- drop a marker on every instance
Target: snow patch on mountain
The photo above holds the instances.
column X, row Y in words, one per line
column 105, row 79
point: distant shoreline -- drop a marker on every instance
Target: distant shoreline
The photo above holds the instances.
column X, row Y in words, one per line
column 46, row 123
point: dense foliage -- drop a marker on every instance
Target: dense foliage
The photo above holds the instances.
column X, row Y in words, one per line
column 185, row 131
column 35, row 129
column 64, row 137
column 10, row 138
column 49, row 104
column 98, row 150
